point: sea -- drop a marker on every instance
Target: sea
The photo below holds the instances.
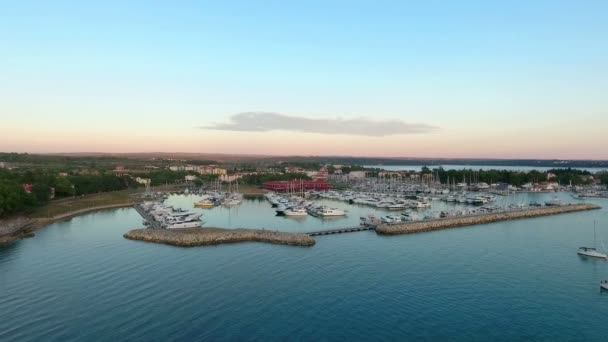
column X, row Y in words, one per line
column 80, row 280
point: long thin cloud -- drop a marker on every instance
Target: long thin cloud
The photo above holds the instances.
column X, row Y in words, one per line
column 263, row 122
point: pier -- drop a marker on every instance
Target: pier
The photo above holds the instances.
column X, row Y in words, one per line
column 341, row 230
column 147, row 217
column 190, row 237
column 461, row 221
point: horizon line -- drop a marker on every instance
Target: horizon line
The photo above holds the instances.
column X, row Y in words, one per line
column 311, row 156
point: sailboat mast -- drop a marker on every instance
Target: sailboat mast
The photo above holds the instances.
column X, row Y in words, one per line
column 594, row 243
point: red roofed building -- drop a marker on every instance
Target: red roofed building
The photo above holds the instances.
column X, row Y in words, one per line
column 296, row 185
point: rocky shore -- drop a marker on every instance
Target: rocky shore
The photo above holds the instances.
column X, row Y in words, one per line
column 215, row 236
column 17, row 228
column 425, row 226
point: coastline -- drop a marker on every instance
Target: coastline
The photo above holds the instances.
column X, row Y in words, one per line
column 22, row 227
column 215, row 236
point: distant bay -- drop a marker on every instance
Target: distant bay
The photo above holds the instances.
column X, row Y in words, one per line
column 479, row 167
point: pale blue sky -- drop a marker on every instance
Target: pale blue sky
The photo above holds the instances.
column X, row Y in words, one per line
column 474, row 70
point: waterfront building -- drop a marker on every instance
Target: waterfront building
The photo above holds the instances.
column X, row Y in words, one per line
column 356, row 175
column 297, row 185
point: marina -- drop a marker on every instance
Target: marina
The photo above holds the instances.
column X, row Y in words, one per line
column 317, row 205
column 512, row 259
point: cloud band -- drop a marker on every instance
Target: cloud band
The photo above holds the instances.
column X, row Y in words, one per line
column 263, row 122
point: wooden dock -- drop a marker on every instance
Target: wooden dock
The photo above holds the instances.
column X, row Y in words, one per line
column 341, row 230
column 148, row 218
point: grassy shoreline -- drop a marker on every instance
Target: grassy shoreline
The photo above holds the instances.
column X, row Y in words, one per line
column 25, row 225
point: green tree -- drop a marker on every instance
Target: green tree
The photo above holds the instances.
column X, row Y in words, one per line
column 63, row 187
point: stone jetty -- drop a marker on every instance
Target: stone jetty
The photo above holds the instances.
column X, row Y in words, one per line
column 444, row 223
column 214, row 236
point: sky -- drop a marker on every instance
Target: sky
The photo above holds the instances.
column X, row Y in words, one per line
column 454, row 79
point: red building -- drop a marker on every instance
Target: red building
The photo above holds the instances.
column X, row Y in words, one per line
column 297, row 185
column 28, row 188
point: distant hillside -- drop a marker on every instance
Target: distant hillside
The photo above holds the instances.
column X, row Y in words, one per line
column 232, row 158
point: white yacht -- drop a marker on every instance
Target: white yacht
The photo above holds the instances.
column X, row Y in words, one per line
column 555, row 202
column 295, row 212
column 423, row 204
column 391, row 219
column 591, row 252
column 604, row 284
column 397, row 206
column 370, row 220
column 184, row 224
column 331, row 212
column 410, row 216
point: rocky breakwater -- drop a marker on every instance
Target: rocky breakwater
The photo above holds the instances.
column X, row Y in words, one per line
column 215, row 236
column 16, row 228
column 425, row 226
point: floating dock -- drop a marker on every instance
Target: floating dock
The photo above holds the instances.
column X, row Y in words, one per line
column 340, row 230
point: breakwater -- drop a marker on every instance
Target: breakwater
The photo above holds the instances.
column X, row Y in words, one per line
column 461, row 221
column 214, row 236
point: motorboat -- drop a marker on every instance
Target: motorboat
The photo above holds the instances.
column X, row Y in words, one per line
column 205, row 203
column 391, row 219
column 555, row 202
column 410, row 216
column 370, row 220
column 604, row 285
column 296, row 212
column 397, row 206
column 184, row 224
column 325, row 212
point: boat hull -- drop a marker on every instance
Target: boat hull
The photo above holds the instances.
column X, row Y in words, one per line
column 592, row 254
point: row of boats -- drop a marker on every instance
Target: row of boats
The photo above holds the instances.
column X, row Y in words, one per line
column 470, row 199
column 433, row 215
column 160, row 215
column 296, row 206
column 214, row 199
column 378, row 200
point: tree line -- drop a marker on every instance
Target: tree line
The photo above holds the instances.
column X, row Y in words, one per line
column 516, row 178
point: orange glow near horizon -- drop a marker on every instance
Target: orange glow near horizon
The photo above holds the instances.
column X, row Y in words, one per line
column 457, row 143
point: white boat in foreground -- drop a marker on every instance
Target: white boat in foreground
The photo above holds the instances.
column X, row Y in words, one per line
column 591, row 252
column 604, row 284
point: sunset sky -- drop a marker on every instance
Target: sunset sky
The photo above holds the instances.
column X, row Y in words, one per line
column 511, row 79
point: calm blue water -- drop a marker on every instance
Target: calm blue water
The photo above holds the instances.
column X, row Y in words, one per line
column 478, row 167
column 519, row 280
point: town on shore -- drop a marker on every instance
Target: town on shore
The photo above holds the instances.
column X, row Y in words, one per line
column 48, row 187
